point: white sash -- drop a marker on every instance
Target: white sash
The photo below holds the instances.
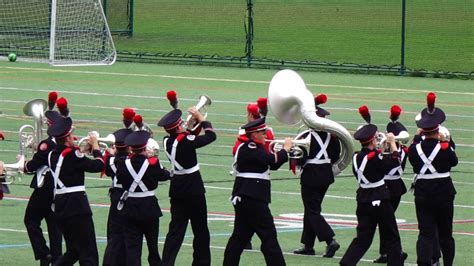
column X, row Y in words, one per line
column 265, row 175
column 322, row 152
column 363, row 181
column 428, row 164
column 176, row 167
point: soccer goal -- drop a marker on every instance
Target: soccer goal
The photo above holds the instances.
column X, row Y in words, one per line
column 61, row 32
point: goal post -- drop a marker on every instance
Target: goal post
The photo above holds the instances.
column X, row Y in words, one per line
column 60, row 32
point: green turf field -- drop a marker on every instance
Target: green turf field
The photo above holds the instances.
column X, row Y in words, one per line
column 439, row 33
column 97, row 96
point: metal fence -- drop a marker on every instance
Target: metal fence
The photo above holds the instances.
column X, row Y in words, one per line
column 423, row 37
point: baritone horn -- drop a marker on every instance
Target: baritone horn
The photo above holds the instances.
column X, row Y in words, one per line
column 31, row 135
column 11, row 170
column 201, row 106
column 290, row 102
column 104, row 143
column 297, row 151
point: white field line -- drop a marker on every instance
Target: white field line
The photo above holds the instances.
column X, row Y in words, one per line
column 227, row 80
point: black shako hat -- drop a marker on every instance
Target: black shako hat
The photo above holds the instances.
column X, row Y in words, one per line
column 52, row 116
column 120, row 136
column 137, row 139
column 321, row 99
column 431, row 117
column 171, row 120
column 395, row 127
column 366, row 133
column 61, row 127
column 255, row 125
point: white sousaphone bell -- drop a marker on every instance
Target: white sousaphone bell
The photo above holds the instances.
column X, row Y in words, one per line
column 290, row 102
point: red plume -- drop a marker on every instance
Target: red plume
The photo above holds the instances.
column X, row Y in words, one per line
column 395, row 112
column 252, row 109
column 61, row 103
column 364, row 112
column 430, row 101
column 138, row 120
column 262, row 106
column 171, row 95
column 128, row 115
column 52, row 97
column 320, row 99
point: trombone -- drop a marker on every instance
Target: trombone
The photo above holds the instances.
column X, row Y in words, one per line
column 201, row 106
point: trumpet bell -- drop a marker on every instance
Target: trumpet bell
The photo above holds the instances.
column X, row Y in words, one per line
column 204, row 101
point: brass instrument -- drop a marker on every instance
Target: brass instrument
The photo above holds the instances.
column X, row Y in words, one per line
column 403, row 137
column 104, row 143
column 11, row 170
column 300, row 146
column 201, row 106
column 30, row 136
column 152, row 148
column 445, row 132
column 290, row 102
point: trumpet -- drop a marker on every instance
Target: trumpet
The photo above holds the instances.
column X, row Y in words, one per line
column 403, row 137
column 201, row 106
column 297, row 151
column 104, row 143
column 10, row 170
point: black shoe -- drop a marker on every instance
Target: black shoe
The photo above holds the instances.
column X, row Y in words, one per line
column 248, row 246
column 435, row 262
column 404, row 256
column 381, row 259
column 331, row 249
column 304, row 251
column 46, row 261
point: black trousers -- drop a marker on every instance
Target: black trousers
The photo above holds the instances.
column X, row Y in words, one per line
column 79, row 235
column 33, row 217
column 434, row 214
column 368, row 217
column 134, row 231
column 395, row 201
column 253, row 216
column 183, row 210
column 115, row 253
column 314, row 224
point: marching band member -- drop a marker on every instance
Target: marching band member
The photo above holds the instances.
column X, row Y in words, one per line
column 393, row 179
column 187, row 192
column 39, row 205
column 254, row 111
column 68, row 166
column 316, row 177
column 432, row 160
column 115, row 250
column 138, row 204
column 373, row 197
column 251, row 196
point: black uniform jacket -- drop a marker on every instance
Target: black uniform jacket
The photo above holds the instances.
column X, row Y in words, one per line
column 252, row 158
column 439, row 187
column 188, row 185
column 377, row 167
column 42, row 197
column 72, row 173
column 141, row 208
column 315, row 175
column 397, row 187
column 115, row 192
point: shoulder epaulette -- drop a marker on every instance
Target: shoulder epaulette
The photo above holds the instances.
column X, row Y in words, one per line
column 152, row 161
column 444, row 145
column 371, row 155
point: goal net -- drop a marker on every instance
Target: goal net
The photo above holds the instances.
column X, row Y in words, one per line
column 61, row 32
